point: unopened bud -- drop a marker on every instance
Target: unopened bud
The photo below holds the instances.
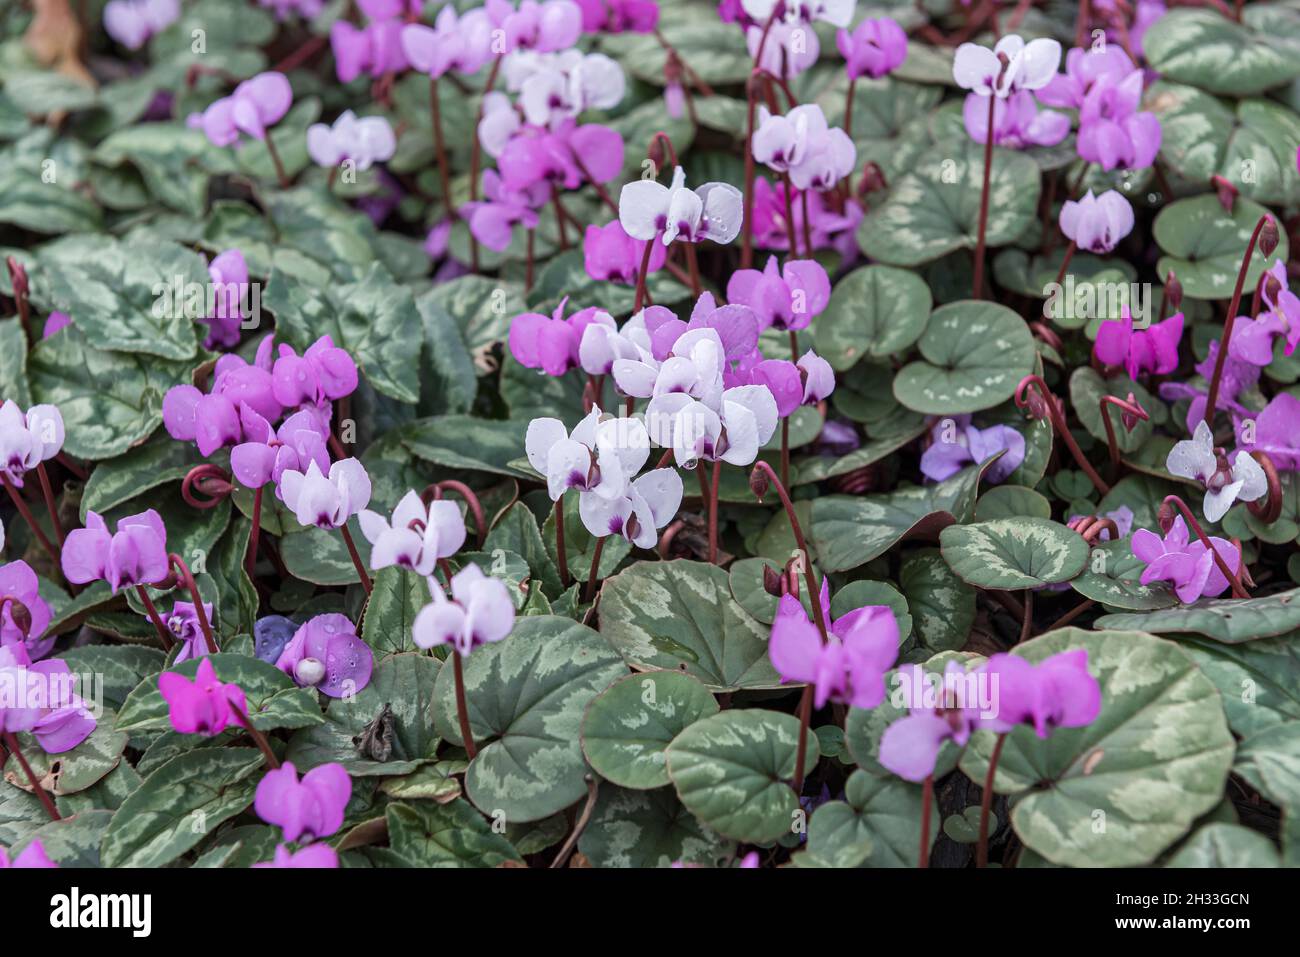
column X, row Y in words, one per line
column 873, row 179
column 1165, row 517
column 309, row 672
column 1173, row 291
column 772, row 581
column 1268, row 237
column 1226, row 191
column 17, row 276
column 758, row 483
column 20, row 616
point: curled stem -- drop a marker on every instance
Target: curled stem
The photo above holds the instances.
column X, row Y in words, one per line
column 209, row 480
column 1049, row 407
column 1130, row 411
column 1173, row 501
column 1269, row 510
column 183, row 572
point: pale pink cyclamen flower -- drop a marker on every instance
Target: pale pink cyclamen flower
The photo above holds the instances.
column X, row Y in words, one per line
column 416, row 537
column 326, row 501
column 1010, row 66
column 1226, row 480
column 363, row 141
column 1097, row 223
column 253, row 107
column 910, row 746
column 1017, row 121
column 479, row 612
column 28, row 438
column 802, row 144
column 132, row 22
column 649, row 210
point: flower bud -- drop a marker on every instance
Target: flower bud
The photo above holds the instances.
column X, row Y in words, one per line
column 1173, row 291
column 771, row 581
column 1165, row 517
column 1268, row 237
column 1226, row 191
column 758, row 483
column 309, row 672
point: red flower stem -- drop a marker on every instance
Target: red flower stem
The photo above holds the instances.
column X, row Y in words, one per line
column 692, row 261
column 205, row 626
column 475, row 152
column 48, row 492
column 1229, row 322
column 747, row 225
column 164, row 635
column 1072, row 614
column 848, row 108
column 29, row 518
column 801, row 753
column 1238, row 590
column 984, row 202
column 462, row 710
column 1061, row 427
column 986, row 802
column 1065, row 263
column 280, row 174
column 927, row 798
column 199, row 479
column 471, row 501
column 250, row 560
column 1132, row 408
column 785, row 451
column 18, row 279
column 1027, row 622
column 356, row 559
column 590, row 591
column 80, row 473
column 258, row 737
column 790, row 228
column 337, row 447
column 562, row 559
column 600, row 189
column 807, row 225
column 440, row 147
column 642, row 273
column 559, row 217
column 47, row 802
column 809, row 575
column 713, row 513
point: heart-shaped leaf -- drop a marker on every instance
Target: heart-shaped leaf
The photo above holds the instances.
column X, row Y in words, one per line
column 445, row 835
column 1260, row 680
column 875, row 311
column 649, row 829
column 942, row 605
column 1204, row 245
column 1014, row 552
column 1218, row 846
column 878, row 824
column 1226, row 620
column 1211, row 51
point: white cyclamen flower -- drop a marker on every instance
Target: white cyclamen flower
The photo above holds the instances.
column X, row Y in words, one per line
column 647, row 209
column 326, row 501
column 1028, row 66
column 649, row 504
column 1197, row 459
column 439, row 532
column 364, row 141
column 597, row 458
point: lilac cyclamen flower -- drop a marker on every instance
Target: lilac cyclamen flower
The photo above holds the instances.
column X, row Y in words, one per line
column 326, row 654
column 136, row 554
column 132, row 22
column 183, row 623
column 1253, row 339
column 910, row 746
column 203, row 706
column 1097, row 223
column 363, row 141
column 1112, row 132
column 50, row 709
column 649, row 210
column 1083, row 67
column 543, row 27
column 818, row 377
column 781, row 377
column 832, row 226
column 566, row 156
column 1189, row 566
column 33, row 856
column 1154, row 349
column 318, row 855
column 646, row 505
column 229, row 274
column 791, row 47
column 956, row 443
column 851, row 668
column 307, row 809
column 800, row 143
column 492, row 219
column 266, row 453
column 1276, row 432
column 1058, row 692
column 551, row 343
column 479, row 612
column 1225, row 481
column 619, row 16
column 326, row 501
column 416, row 537
column 1010, row 66
column 1238, row 377
column 557, row 86
column 213, row 420
column 54, row 322
column 1017, row 121
column 28, row 439
column 255, row 105
column 874, row 48
column 375, row 49
column 462, row 43
column 787, row 299
column 320, row 375
column 609, row 253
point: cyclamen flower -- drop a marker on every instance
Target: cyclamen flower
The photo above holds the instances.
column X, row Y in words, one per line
column 33, row 856
column 648, row 210
column 266, row 453
column 202, row 706
column 492, row 219
column 478, row 613
column 1058, row 692
column 556, row 86
column 28, row 439
column 544, row 27
column 910, row 746
column 791, row 47
column 597, row 458
column 647, row 505
column 50, row 710
column 136, row 554
column 229, row 275
column 326, row 501
column 1225, row 482
column 1084, row 66
column 318, row 855
column 363, row 141
column 830, row 226
column 609, row 253
column 566, row 155
column 255, row 105
column 1276, row 432
column 956, row 443
column 184, row 624
column 375, row 49
column 1253, row 339
column 850, row 669
column 1154, row 349
column 785, row 299
column 1097, row 223
column 743, row 422
column 306, row 809
column 837, row 13
column 320, row 375
column 801, row 143
column 818, row 377
column 1238, row 376
column 416, row 537
column 619, row 16
column 213, row 421
column 550, row 343
column 1017, row 121
column 54, row 322
column 270, row 635
column 874, row 48
column 1188, row 566
column 1010, row 66
column 462, row 43
column 326, row 654
column 1112, row 132
column 132, row 22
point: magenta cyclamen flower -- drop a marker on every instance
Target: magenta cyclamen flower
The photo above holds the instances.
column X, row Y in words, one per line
column 318, row 855
column 1154, row 349
column 49, row 707
column 213, row 420
column 1112, row 132
column 455, row 42
column 851, row 668
column 1017, row 121
column 229, row 275
column 619, row 16
column 956, row 443
column 1253, row 339
column 479, row 612
column 1097, row 223
column 326, row 501
column 266, row 453
column 830, row 227
column 541, row 27
column 27, row 440
column 874, row 48
column 184, row 624
column 19, row 582
column 1083, row 67
column 326, row 654
column 1010, row 66
column 1276, row 432
column 417, row 536
column 910, row 746
column 609, row 253
column 306, row 809
column 566, row 156
column 1058, row 692
column 136, row 554
column 132, row 22
column 550, row 343
column 33, row 856
column 255, row 105
column 782, row 299
column 374, row 49
column 203, row 706
column 1188, row 566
